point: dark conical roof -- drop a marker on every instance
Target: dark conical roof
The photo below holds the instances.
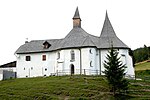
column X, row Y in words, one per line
column 107, row 30
column 108, row 36
column 76, row 15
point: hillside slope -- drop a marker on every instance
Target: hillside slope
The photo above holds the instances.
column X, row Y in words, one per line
column 68, row 87
column 145, row 65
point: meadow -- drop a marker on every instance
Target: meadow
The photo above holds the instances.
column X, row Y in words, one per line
column 76, row 87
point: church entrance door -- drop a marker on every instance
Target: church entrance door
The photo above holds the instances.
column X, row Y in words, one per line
column 72, row 69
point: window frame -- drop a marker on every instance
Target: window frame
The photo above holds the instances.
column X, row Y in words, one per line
column 90, row 51
column 72, row 55
column 28, row 58
column 58, row 55
column 91, row 64
column 43, row 57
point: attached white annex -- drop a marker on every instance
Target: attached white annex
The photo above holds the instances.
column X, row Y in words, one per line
column 77, row 53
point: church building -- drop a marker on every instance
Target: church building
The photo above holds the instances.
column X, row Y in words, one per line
column 77, row 53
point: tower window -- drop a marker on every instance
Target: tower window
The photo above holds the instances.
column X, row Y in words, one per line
column 72, row 55
column 44, row 57
column 28, row 58
column 91, row 64
column 90, row 51
column 58, row 55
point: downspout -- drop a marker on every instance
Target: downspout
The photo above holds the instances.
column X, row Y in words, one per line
column 99, row 62
column 80, row 62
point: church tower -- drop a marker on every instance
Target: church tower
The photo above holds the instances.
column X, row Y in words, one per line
column 76, row 19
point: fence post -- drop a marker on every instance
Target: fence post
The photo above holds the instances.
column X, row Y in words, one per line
column 57, row 72
column 96, row 72
column 84, row 72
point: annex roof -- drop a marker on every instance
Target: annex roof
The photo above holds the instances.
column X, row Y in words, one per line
column 37, row 46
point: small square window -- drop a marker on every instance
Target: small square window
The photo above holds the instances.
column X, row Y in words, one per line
column 28, row 58
column 44, row 57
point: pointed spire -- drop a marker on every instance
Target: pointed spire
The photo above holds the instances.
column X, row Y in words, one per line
column 76, row 19
column 76, row 15
column 107, row 30
column 108, row 36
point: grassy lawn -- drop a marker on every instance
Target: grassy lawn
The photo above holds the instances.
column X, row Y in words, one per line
column 142, row 66
column 74, row 87
column 64, row 87
column 68, row 87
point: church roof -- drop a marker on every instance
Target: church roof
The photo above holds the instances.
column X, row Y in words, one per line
column 76, row 38
column 37, row 46
column 108, row 36
column 76, row 15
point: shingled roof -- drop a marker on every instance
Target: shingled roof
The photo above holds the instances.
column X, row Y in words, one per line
column 77, row 38
column 76, row 15
column 108, row 36
column 37, row 46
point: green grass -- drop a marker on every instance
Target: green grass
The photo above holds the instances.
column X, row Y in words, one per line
column 74, row 87
column 54, row 88
column 142, row 66
column 68, row 87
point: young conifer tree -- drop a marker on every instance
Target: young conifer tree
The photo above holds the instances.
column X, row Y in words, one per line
column 115, row 72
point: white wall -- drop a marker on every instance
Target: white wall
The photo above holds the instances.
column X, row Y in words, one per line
column 1, row 74
column 82, row 55
column 36, row 67
column 91, row 62
column 125, row 58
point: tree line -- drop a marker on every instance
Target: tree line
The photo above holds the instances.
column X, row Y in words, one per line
column 141, row 54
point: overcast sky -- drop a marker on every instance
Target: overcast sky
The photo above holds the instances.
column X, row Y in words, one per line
column 52, row 19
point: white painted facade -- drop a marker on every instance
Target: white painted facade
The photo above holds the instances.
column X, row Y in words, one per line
column 1, row 75
column 77, row 53
column 124, row 57
column 88, row 61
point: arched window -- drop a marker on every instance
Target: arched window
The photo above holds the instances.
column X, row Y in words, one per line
column 91, row 64
column 58, row 55
column 90, row 51
column 72, row 55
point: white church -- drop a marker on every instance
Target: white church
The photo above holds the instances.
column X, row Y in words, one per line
column 77, row 53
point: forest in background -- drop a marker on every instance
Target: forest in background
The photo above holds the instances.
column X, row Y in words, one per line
column 141, row 54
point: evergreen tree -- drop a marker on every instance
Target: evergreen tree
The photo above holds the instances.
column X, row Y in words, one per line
column 115, row 72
